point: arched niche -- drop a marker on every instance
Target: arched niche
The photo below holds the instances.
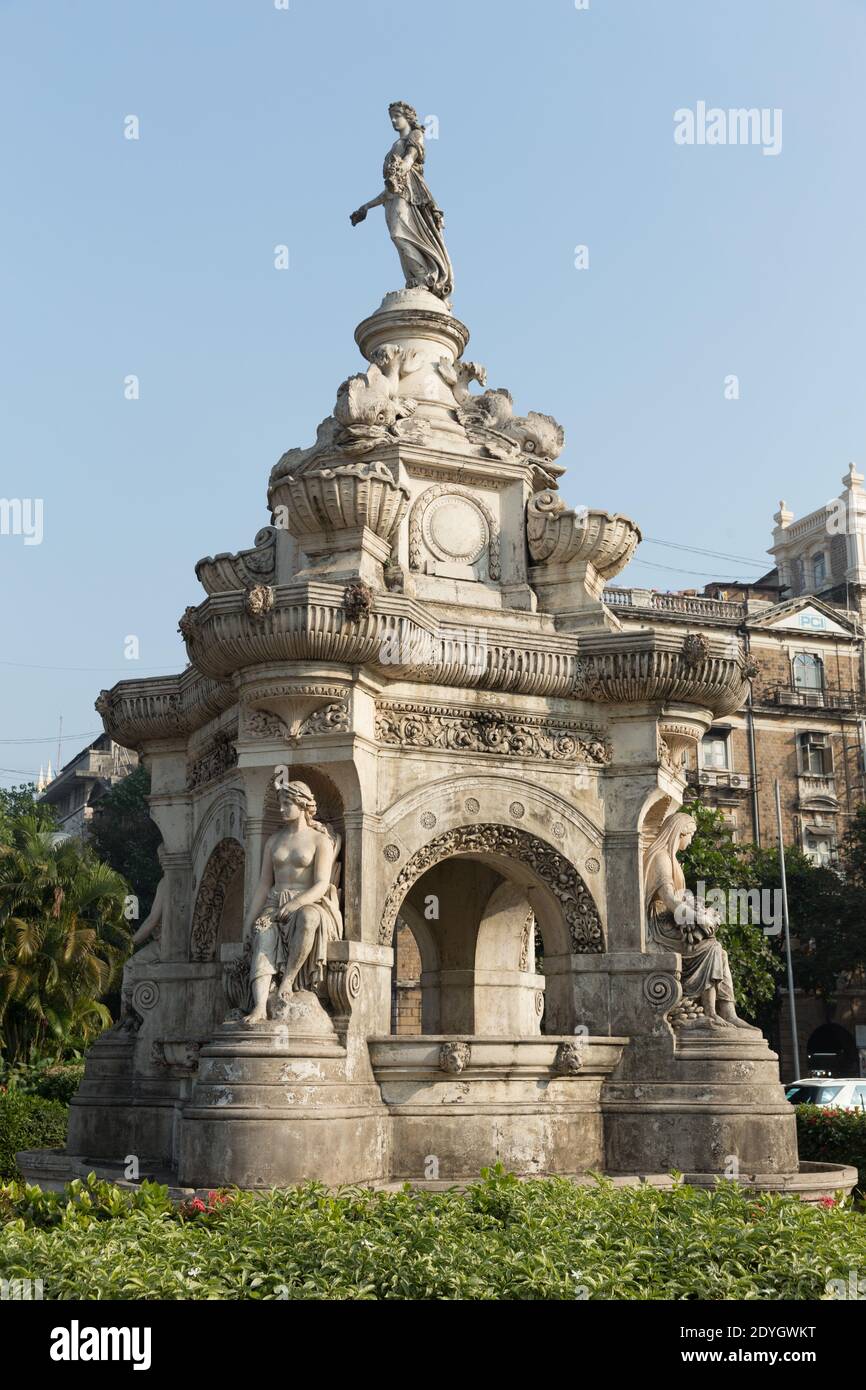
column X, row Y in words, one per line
column 218, row 912
column 491, row 876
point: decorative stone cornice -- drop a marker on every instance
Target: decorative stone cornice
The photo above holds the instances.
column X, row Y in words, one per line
column 307, row 623
column 164, row 707
column 635, row 667
column 374, row 332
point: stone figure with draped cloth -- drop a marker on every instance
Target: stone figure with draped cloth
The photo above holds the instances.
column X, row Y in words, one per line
column 413, row 218
column 295, row 911
column 679, row 922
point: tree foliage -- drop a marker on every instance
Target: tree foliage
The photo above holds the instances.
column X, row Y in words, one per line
column 124, row 836
column 827, row 908
column 63, row 940
column 16, row 802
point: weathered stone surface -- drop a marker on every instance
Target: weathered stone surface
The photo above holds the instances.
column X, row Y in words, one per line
column 487, row 754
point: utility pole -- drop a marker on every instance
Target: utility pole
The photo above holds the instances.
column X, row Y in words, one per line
column 792, row 1007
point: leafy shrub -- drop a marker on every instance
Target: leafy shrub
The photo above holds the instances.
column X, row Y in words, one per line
column 833, row 1136
column 46, row 1077
column 28, row 1122
column 499, row 1239
column 82, row 1202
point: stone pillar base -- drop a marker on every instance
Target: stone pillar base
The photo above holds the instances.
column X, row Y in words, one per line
column 271, row 1107
column 715, row 1107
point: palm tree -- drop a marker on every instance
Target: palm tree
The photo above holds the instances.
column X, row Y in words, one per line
column 63, row 940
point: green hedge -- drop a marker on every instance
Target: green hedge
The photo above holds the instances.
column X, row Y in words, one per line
column 51, row 1080
column 28, row 1122
column 498, row 1239
column 833, row 1136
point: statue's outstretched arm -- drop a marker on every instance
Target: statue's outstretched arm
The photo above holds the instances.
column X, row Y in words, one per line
column 360, row 213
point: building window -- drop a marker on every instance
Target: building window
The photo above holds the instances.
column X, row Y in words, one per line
column 808, row 671
column 819, row 570
column 815, row 755
column 714, row 749
column 821, row 849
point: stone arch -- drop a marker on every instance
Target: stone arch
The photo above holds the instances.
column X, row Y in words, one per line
column 222, row 817
column 225, row 863
column 563, row 891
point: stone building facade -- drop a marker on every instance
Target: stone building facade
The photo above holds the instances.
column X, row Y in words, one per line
column 824, row 553
column 81, row 782
column 802, row 722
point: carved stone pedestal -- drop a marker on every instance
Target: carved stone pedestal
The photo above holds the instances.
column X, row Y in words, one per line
column 116, row 1112
column 715, row 1105
column 272, row 1106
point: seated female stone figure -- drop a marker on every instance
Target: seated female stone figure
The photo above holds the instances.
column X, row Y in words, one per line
column 679, row 923
column 295, row 911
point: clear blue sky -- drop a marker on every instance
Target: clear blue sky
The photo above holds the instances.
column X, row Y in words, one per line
column 261, row 126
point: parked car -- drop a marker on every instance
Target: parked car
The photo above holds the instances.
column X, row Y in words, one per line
column 842, row 1092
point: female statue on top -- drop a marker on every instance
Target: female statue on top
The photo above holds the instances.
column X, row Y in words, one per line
column 413, row 218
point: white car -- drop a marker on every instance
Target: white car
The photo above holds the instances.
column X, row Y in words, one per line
column 842, row 1092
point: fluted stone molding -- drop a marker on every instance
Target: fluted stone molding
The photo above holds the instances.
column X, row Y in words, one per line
column 574, row 554
column 224, row 572
column 162, row 707
column 308, row 623
column 350, row 496
column 635, row 667
column 557, row 535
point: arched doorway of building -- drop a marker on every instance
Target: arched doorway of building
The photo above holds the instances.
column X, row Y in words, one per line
column 832, row 1051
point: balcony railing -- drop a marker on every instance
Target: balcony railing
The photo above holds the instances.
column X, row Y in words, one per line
column 816, row 786
column 800, row 698
column 685, row 605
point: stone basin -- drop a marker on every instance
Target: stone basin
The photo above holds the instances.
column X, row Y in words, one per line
column 458, row 1105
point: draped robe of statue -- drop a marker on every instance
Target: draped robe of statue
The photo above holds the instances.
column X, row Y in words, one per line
column 272, row 939
column 692, row 931
column 414, row 220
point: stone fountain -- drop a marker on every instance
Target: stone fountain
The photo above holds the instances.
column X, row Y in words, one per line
column 407, row 701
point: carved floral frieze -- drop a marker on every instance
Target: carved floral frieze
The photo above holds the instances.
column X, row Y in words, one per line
column 220, row 756
column 225, row 861
column 413, row 725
